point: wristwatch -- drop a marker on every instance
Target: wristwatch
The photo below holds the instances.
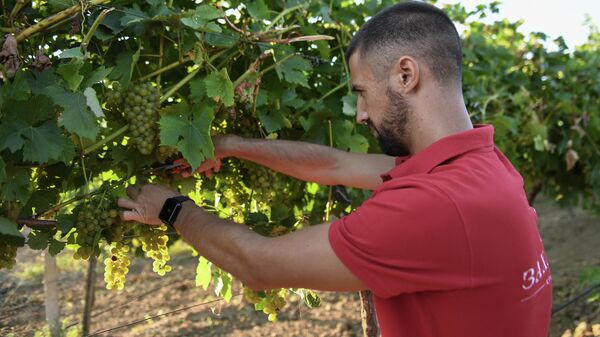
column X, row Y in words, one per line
column 170, row 210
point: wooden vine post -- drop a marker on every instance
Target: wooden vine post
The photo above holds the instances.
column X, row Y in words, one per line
column 51, row 290
column 89, row 296
column 370, row 326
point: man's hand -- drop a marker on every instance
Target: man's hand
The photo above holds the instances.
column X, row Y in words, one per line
column 145, row 203
column 209, row 165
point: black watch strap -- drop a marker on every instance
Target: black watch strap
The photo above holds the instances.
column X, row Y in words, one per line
column 171, row 208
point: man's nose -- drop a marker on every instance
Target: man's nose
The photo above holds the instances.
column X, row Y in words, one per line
column 361, row 117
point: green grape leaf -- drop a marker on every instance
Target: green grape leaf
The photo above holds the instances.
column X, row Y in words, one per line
column 311, row 299
column 203, row 273
column 292, row 70
column 18, row 89
column 188, row 131
column 345, row 137
column 38, row 240
column 17, row 185
column 92, row 102
column 201, row 19
column 132, row 15
column 223, row 286
column 10, row 134
column 64, row 222
column 197, row 90
column 59, row 5
column 258, row 9
column 273, row 120
column 44, row 143
column 76, row 118
column 219, row 87
column 55, row 247
column 279, row 212
column 70, row 73
column 349, row 105
column 126, row 62
column 96, row 76
column 38, row 82
column 9, row 228
column 72, row 53
column 2, row 171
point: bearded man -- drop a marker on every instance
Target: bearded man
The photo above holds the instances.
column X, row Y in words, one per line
column 447, row 242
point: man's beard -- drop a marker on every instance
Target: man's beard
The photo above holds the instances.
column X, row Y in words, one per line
column 392, row 131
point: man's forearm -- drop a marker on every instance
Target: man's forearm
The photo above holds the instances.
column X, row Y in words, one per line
column 223, row 242
column 305, row 161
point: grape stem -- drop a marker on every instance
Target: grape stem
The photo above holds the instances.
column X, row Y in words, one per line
column 18, row 6
column 282, row 14
column 90, row 33
column 328, row 205
column 106, row 139
column 54, row 19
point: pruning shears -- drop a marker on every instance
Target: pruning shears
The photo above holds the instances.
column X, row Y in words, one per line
column 176, row 167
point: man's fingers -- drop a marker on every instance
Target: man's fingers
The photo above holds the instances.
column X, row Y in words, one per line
column 127, row 203
column 132, row 192
column 217, row 165
column 131, row 216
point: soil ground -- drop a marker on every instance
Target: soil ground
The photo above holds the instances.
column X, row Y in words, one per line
column 571, row 238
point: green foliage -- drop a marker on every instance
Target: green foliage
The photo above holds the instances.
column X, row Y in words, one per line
column 60, row 137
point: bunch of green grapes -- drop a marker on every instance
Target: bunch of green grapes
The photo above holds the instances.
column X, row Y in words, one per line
column 269, row 301
column 154, row 244
column 116, row 266
column 263, row 182
column 166, row 152
column 8, row 254
column 139, row 105
column 88, row 229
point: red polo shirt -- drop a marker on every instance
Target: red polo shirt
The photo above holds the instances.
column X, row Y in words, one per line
column 449, row 245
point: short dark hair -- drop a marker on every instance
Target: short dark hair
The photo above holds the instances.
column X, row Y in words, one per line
column 410, row 28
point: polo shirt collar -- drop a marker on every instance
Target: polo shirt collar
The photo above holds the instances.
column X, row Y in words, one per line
column 480, row 137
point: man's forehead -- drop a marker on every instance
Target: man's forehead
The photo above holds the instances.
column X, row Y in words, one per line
column 360, row 72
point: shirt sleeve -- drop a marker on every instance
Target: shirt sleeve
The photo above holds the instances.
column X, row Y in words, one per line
column 404, row 240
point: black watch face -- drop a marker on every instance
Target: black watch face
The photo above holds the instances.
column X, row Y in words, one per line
column 169, row 212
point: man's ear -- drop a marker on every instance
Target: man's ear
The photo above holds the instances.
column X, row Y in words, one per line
column 404, row 75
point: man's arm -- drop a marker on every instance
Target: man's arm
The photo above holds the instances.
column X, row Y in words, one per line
column 307, row 161
column 303, row 259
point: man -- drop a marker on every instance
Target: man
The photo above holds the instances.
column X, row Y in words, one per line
column 447, row 242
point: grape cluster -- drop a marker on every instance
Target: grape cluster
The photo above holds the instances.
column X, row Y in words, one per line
column 139, row 104
column 116, row 266
column 8, row 254
column 154, row 244
column 262, row 181
column 94, row 218
column 269, row 301
column 166, row 152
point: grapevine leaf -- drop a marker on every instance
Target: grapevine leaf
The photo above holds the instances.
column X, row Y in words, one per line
column 292, row 70
column 197, row 90
column 76, row 118
column 59, row 5
column 92, row 102
column 38, row 240
column 18, row 89
column 132, row 15
column 39, row 201
column 10, row 228
column 10, row 134
column 201, row 19
column 45, row 143
column 72, row 53
column 279, row 212
column 203, row 273
column 311, row 299
column 96, row 76
column 38, row 82
column 64, row 222
column 123, row 71
column 258, row 10
column 345, row 137
column 55, row 247
column 223, row 286
column 219, row 87
column 273, row 120
column 349, row 105
column 1, row 97
column 189, row 132
column 2, row 170
column 70, row 73
column 16, row 187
